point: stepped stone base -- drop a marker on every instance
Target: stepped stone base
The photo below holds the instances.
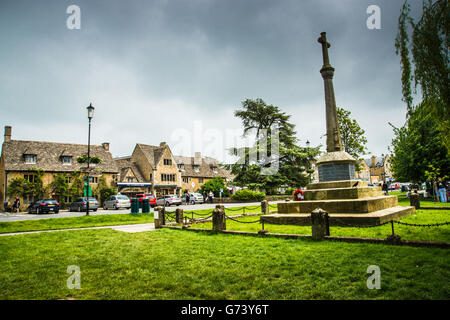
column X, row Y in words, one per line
column 336, row 184
column 357, row 206
column 342, row 219
column 342, row 193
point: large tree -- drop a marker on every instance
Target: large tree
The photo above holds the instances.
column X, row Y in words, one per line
column 353, row 139
column 260, row 168
column 423, row 47
column 417, row 149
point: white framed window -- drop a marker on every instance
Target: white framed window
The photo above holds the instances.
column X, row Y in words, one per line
column 66, row 160
column 196, row 168
column 30, row 158
column 129, row 179
column 214, row 169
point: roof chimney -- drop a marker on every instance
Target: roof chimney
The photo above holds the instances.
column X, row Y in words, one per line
column 198, row 154
column 105, row 146
column 162, row 144
column 373, row 161
column 7, row 136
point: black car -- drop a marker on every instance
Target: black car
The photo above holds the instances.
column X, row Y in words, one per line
column 80, row 204
column 44, row 206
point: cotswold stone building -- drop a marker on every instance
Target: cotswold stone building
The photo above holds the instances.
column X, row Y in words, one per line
column 154, row 169
column 380, row 168
column 19, row 159
column 195, row 171
column 149, row 169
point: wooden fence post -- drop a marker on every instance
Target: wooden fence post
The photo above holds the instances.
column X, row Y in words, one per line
column 319, row 224
column 179, row 215
column 218, row 218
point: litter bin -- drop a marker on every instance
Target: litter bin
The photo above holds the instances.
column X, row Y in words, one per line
column 145, row 205
column 134, row 205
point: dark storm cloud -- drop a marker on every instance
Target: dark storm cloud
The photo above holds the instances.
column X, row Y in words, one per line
column 151, row 67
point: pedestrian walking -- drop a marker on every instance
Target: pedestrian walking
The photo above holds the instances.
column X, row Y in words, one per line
column 188, row 197
column 205, row 198
column 16, row 205
column 442, row 189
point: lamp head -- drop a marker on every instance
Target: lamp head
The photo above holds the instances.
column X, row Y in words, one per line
column 90, row 111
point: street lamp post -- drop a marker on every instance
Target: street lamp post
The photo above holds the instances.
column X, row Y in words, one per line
column 90, row 111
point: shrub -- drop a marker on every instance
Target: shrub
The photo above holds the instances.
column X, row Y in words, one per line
column 289, row 191
column 248, row 195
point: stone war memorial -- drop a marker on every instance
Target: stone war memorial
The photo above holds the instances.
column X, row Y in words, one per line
column 346, row 200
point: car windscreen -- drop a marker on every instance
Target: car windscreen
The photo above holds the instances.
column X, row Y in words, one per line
column 50, row 201
column 122, row 197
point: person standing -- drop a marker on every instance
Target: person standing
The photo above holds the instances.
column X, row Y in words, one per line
column 187, row 198
column 5, row 204
column 211, row 197
column 16, row 205
column 442, row 189
column 205, row 198
column 385, row 188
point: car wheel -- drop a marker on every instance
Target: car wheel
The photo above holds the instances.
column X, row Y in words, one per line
column 192, row 202
column 167, row 204
column 105, row 207
column 94, row 210
column 29, row 210
column 116, row 208
column 56, row 211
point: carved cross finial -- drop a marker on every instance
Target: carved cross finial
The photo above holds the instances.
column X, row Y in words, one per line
column 325, row 46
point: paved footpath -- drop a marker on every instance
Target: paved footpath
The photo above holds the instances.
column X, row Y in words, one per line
column 130, row 228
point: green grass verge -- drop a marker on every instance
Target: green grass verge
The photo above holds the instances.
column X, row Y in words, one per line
column 176, row 264
column 438, row 234
column 404, row 201
column 74, row 222
column 101, row 220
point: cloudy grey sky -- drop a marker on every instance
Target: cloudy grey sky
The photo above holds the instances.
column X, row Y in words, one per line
column 175, row 71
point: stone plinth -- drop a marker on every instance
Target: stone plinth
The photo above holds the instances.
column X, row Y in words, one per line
column 336, row 166
column 342, row 193
column 357, row 206
column 336, row 184
column 336, row 219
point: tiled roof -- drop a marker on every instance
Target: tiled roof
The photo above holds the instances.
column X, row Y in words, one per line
column 48, row 156
column 205, row 166
column 124, row 164
column 152, row 153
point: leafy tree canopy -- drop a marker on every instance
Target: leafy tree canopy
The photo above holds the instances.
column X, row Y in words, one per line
column 418, row 153
column 353, row 139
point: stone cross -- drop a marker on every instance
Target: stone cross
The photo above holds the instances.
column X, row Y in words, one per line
column 334, row 142
column 325, row 46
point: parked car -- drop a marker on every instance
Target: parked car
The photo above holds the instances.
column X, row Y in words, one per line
column 80, row 204
column 44, row 206
column 169, row 200
column 193, row 198
column 116, row 202
column 151, row 198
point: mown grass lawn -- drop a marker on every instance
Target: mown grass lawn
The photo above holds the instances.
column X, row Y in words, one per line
column 74, row 222
column 177, row 264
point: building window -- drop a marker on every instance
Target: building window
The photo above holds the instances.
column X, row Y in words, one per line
column 214, row 169
column 181, row 166
column 66, row 160
column 200, row 180
column 168, row 177
column 196, row 168
column 151, row 177
column 167, row 162
column 67, row 199
column 30, row 158
column 129, row 179
column 30, row 177
column 93, row 180
column 68, row 179
column 186, row 180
